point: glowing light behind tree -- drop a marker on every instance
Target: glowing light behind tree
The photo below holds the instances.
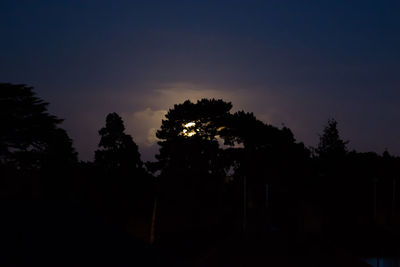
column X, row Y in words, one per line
column 189, row 129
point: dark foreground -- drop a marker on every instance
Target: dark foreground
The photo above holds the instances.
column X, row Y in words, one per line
column 46, row 234
column 272, row 249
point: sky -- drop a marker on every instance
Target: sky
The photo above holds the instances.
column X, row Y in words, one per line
column 293, row 63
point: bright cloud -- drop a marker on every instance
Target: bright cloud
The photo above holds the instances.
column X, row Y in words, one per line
column 143, row 125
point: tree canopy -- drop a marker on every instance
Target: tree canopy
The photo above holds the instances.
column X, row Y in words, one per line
column 30, row 137
column 188, row 136
column 330, row 145
column 117, row 150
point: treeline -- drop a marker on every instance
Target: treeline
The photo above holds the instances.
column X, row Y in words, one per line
column 217, row 174
column 58, row 211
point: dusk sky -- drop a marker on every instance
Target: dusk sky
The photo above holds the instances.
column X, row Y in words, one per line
column 296, row 63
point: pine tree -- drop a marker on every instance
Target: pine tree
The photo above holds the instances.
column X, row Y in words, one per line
column 117, row 150
column 331, row 146
column 30, row 138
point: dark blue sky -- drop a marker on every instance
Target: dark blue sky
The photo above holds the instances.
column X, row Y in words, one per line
column 292, row 62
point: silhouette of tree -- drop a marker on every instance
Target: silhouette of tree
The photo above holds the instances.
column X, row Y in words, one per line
column 123, row 190
column 336, row 186
column 190, row 164
column 117, row 149
column 268, row 156
column 206, row 118
column 30, row 137
column 331, row 146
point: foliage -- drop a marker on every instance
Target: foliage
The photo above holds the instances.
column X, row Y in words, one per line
column 331, row 146
column 190, row 162
column 200, row 151
column 117, row 149
column 30, row 137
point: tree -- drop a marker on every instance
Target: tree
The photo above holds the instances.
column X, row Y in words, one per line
column 267, row 156
column 30, row 138
column 190, row 164
column 334, row 183
column 36, row 155
column 189, row 139
column 117, row 150
column 123, row 190
column 331, row 146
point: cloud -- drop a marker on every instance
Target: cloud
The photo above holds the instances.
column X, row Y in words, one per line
column 143, row 124
column 164, row 96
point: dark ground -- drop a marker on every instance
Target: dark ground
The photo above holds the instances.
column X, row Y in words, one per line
column 272, row 249
column 50, row 234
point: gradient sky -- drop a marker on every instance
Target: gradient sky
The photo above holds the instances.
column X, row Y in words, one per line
column 296, row 63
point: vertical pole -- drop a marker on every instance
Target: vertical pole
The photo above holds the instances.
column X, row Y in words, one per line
column 394, row 198
column 267, row 213
column 244, row 204
column 153, row 222
column 375, row 200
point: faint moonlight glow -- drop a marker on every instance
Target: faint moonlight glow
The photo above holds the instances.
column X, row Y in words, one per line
column 189, row 132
